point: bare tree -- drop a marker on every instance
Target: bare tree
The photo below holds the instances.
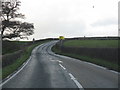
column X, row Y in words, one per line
column 11, row 27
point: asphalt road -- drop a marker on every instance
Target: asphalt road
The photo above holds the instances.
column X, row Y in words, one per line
column 48, row 70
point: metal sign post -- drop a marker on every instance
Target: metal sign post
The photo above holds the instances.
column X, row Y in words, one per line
column 61, row 38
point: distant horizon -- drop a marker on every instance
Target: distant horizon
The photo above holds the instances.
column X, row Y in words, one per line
column 71, row 18
column 67, row 37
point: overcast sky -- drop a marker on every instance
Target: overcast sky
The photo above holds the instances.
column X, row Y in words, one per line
column 71, row 18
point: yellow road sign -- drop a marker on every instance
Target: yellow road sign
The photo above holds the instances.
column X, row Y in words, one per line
column 61, row 37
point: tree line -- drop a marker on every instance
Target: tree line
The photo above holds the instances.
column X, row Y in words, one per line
column 11, row 26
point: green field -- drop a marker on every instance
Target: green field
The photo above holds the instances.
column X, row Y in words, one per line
column 92, row 43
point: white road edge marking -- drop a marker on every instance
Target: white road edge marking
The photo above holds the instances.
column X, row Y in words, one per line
column 76, row 82
column 95, row 65
column 101, row 67
column 62, row 66
column 15, row 73
column 114, row 72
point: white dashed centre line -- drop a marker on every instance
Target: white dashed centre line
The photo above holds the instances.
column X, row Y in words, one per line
column 76, row 82
column 62, row 66
column 56, row 61
column 73, row 78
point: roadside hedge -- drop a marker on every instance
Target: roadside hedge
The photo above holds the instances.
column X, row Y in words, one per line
column 8, row 59
column 109, row 54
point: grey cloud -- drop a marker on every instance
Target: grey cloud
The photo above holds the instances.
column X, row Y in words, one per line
column 73, row 28
column 105, row 22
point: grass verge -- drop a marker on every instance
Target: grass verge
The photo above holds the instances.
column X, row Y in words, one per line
column 97, row 61
column 11, row 68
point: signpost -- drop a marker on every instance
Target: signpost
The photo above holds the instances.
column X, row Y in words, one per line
column 33, row 40
column 61, row 38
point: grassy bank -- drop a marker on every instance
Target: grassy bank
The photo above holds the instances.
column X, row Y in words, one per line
column 11, row 68
column 90, row 43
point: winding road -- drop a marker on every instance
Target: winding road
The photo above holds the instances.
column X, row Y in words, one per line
column 46, row 69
